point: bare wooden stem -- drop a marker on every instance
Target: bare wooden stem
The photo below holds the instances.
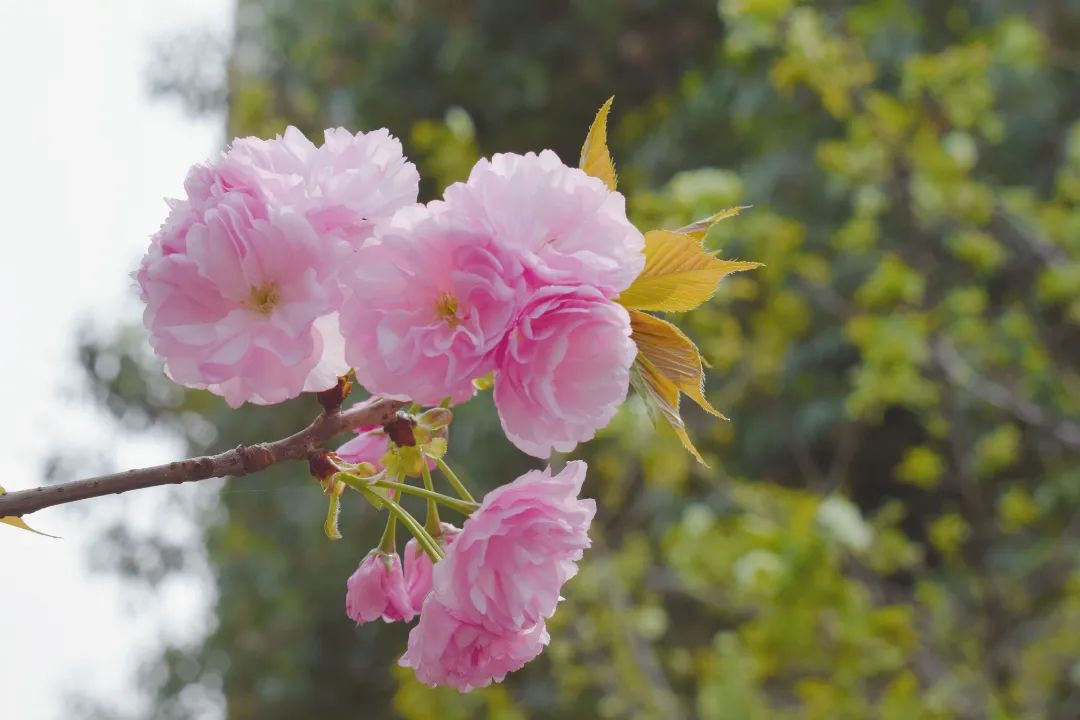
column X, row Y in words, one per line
column 243, row 460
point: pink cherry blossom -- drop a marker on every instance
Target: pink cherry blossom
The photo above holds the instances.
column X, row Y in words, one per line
column 419, row 567
column 506, row 568
column 240, row 303
column 427, row 304
column 568, row 227
column 501, row 578
column 564, row 369
column 444, row 650
column 377, row 589
column 369, row 445
column 361, row 181
column 346, row 186
column 241, row 282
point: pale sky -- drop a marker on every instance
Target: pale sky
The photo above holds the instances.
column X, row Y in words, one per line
column 87, row 159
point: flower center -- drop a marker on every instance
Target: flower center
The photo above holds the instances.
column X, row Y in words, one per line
column 446, row 308
column 263, row 298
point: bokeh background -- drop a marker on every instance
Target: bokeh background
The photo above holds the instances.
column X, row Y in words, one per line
column 890, row 524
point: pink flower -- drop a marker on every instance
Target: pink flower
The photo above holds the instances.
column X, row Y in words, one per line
column 444, row 650
column 506, row 568
column 564, row 369
column 359, row 181
column 428, row 303
column 241, row 282
column 242, row 303
column 347, row 186
column 377, row 589
column 501, row 578
column 419, row 568
column 369, row 445
column 568, row 227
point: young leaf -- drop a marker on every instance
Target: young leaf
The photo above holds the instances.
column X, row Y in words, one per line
column 595, row 157
column 674, row 355
column 679, row 274
column 16, row 521
column 661, row 397
column 330, row 525
column 698, row 229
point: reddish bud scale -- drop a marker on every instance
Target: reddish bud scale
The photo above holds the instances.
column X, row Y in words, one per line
column 321, row 465
column 332, row 398
column 400, row 430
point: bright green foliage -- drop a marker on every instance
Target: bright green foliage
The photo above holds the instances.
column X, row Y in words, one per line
column 888, row 525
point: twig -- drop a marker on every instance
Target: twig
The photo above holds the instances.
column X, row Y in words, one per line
column 662, row 695
column 963, row 375
column 243, row 460
column 1046, row 251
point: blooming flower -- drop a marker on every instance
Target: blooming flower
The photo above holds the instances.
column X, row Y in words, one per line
column 236, row 309
column 346, row 186
column 499, row 581
column 568, row 227
column 377, row 589
column 428, row 303
column 241, row 282
column 444, row 650
column 564, row 369
column 419, row 567
column 506, row 568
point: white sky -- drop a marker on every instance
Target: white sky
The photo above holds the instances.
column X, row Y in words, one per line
column 87, row 158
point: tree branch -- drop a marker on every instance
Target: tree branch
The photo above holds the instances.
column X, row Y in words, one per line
column 243, row 460
column 962, row 374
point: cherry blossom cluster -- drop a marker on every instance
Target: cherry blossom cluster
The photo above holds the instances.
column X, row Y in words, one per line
column 287, row 264
column 292, row 268
column 483, row 606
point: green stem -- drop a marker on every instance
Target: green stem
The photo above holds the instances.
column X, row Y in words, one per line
column 421, row 535
column 431, row 522
column 458, row 485
column 461, row 506
column 388, row 544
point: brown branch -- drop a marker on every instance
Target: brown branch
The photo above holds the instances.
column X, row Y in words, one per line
column 243, row 460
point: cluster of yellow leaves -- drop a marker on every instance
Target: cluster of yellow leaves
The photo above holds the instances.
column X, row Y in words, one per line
column 679, row 275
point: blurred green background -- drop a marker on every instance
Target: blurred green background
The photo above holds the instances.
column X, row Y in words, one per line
column 890, row 527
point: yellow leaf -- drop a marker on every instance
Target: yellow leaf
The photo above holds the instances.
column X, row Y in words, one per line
column 16, row 521
column 698, row 229
column 674, row 355
column 661, row 397
column 679, row 274
column 595, row 158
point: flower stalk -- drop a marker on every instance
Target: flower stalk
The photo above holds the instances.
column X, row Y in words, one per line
column 431, row 522
column 459, row 487
column 462, row 506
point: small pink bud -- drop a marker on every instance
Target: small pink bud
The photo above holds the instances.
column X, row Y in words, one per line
column 377, row 589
